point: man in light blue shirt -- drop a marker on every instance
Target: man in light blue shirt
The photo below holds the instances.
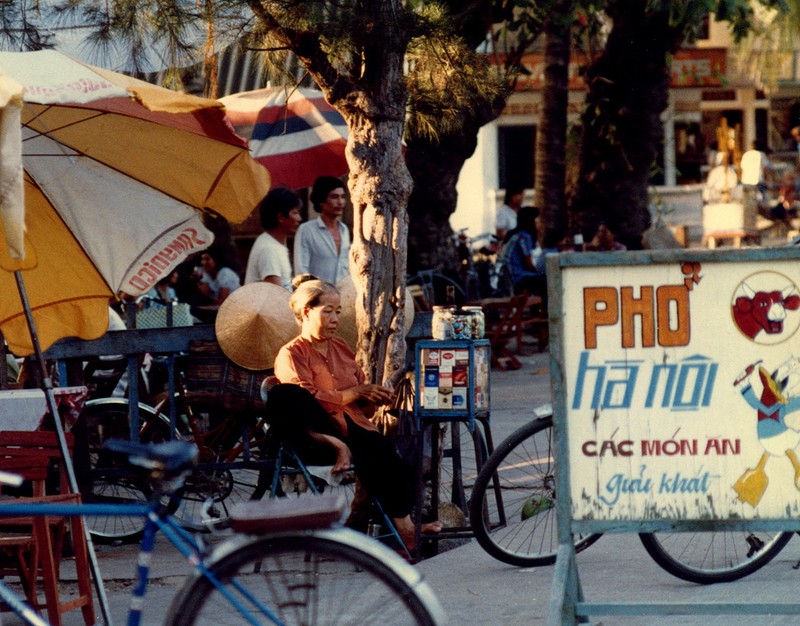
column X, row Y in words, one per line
column 322, row 245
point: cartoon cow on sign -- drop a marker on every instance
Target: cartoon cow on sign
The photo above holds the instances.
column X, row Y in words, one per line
column 756, row 311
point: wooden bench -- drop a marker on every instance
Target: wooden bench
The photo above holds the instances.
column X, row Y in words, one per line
column 738, row 236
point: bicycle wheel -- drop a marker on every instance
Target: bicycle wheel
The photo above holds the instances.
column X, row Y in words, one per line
column 321, row 578
column 225, row 487
column 435, row 287
column 512, row 510
column 713, row 557
column 223, row 476
column 105, row 479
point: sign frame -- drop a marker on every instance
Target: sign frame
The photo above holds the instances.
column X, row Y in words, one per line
column 567, row 603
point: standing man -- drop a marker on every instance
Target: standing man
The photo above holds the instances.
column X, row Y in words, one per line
column 269, row 259
column 322, row 245
column 506, row 219
column 755, row 166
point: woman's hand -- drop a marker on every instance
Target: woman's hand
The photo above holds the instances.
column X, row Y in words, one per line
column 376, row 394
column 344, row 458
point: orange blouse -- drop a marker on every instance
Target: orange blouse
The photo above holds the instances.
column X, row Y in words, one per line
column 299, row 363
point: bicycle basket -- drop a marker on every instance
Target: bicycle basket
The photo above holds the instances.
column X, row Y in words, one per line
column 214, row 382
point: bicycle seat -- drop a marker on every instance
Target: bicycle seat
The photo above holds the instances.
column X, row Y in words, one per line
column 170, row 458
column 260, row 517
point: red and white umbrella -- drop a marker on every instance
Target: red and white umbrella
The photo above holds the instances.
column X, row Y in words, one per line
column 294, row 133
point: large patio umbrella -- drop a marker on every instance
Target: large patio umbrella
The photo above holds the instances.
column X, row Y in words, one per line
column 293, row 132
column 116, row 174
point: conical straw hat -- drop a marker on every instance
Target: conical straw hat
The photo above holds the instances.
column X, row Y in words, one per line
column 253, row 323
column 347, row 319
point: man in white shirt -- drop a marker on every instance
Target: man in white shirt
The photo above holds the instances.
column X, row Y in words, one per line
column 269, row 259
column 755, row 165
column 322, row 245
column 722, row 184
column 506, row 218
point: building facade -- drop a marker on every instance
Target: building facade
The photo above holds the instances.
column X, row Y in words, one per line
column 710, row 102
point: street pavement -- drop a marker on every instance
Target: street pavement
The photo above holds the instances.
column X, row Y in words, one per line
column 475, row 589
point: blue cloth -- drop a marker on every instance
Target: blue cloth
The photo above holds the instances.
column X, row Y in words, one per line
column 519, row 247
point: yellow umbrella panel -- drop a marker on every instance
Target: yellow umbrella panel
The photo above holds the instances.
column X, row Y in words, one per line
column 68, row 296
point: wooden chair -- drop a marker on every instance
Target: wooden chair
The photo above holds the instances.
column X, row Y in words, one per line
column 504, row 323
column 33, row 545
column 506, row 320
column 19, row 550
column 534, row 317
column 419, row 298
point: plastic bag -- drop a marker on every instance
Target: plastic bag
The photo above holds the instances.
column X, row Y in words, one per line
column 404, row 430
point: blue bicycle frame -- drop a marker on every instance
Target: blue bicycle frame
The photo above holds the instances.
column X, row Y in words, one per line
column 193, row 549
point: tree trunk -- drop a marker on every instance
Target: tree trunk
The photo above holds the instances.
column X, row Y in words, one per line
column 380, row 186
column 621, row 126
column 435, row 167
column 379, row 189
column 366, row 84
column 551, row 156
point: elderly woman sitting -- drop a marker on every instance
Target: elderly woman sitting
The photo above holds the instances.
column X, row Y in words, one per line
column 324, row 405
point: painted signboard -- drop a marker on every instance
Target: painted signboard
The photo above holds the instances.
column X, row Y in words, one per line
column 681, row 385
column 691, row 67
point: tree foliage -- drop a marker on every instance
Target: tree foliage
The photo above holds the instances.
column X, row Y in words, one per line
column 459, row 81
column 628, row 88
column 434, row 73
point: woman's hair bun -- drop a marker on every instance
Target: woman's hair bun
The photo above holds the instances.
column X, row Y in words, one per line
column 302, row 278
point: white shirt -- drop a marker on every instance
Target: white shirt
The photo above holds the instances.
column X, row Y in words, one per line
column 315, row 251
column 720, row 179
column 226, row 278
column 506, row 218
column 753, row 164
column 269, row 257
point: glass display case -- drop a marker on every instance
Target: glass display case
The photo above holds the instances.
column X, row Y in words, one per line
column 452, row 380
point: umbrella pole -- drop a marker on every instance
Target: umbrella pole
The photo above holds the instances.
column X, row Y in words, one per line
column 47, row 387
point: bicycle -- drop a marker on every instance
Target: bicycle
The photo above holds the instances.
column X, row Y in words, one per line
column 285, row 565
column 216, row 405
column 436, row 289
column 513, row 517
column 234, row 466
column 481, row 273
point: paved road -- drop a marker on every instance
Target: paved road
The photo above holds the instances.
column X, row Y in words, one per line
column 477, row 590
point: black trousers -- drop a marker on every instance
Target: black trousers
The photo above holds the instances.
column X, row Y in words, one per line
column 292, row 411
column 535, row 285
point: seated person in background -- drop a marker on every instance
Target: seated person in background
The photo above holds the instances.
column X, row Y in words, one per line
column 164, row 289
column 722, row 184
column 786, row 207
column 214, row 280
column 323, row 406
column 517, row 255
column 604, row 240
